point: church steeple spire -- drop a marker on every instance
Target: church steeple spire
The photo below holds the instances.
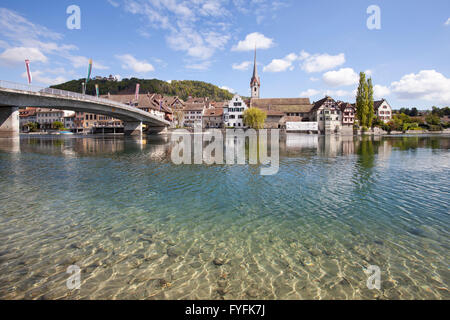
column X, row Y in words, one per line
column 255, row 68
column 255, row 83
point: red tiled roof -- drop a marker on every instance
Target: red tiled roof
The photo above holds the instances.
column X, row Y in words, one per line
column 214, row 112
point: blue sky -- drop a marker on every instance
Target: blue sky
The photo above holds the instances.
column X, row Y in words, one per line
column 305, row 48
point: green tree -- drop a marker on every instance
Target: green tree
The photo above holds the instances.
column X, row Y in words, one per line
column 182, row 89
column 32, row 126
column 255, row 118
column 370, row 109
column 433, row 119
column 58, row 125
column 178, row 117
column 362, row 103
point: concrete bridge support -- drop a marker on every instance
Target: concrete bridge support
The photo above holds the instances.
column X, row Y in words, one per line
column 132, row 128
column 9, row 122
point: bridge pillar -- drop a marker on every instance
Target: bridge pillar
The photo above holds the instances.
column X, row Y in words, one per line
column 9, row 122
column 132, row 128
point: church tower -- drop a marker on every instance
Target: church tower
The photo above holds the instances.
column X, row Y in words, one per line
column 255, row 83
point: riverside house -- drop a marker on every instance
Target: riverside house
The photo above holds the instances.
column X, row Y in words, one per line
column 46, row 117
column 234, row 112
column 27, row 115
column 151, row 103
column 282, row 110
column 213, row 118
column 328, row 115
column 383, row 110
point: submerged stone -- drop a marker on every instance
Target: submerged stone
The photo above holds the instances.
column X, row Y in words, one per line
column 174, row 252
column 314, row 252
column 219, row 262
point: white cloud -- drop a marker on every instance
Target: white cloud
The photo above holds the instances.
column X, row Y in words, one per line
column 23, row 33
column 310, row 93
column 40, row 78
column 199, row 46
column 428, row 85
column 447, row 23
column 16, row 27
column 212, row 8
column 313, row 79
column 228, row 89
column 341, row 77
column 380, row 91
column 279, row 65
column 242, row 66
column 368, row 72
column 254, row 39
column 261, row 10
column 187, row 24
column 320, row 62
column 20, row 54
column 201, row 66
column 131, row 63
column 113, row 3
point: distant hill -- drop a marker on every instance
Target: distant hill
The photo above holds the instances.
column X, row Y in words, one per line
column 182, row 89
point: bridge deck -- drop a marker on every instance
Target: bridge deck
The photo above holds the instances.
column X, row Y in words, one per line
column 20, row 95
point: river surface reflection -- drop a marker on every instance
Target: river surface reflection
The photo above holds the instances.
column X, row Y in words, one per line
column 141, row 227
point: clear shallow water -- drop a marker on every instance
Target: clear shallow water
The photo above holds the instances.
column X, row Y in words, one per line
column 140, row 227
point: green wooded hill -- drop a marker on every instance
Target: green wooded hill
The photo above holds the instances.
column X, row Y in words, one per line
column 182, row 89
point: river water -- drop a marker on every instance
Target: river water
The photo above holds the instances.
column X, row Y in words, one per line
column 140, row 227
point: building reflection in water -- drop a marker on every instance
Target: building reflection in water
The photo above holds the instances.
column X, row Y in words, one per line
column 10, row 145
column 371, row 150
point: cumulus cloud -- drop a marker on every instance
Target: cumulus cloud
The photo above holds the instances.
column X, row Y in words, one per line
column 380, row 91
column 320, row 62
column 279, row 65
column 428, row 85
column 18, row 55
column 447, row 23
column 254, row 39
column 131, row 63
column 341, row 77
column 242, row 66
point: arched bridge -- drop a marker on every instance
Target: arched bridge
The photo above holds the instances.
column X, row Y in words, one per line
column 13, row 96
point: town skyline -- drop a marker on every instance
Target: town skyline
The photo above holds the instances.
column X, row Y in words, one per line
column 172, row 40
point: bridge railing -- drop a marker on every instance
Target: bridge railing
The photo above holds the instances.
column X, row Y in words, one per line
column 63, row 93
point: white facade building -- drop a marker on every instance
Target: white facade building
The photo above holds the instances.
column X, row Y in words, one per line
column 234, row 112
column 383, row 110
column 46, row 117
column 328, row 115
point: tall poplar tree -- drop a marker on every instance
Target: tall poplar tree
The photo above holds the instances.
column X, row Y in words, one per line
column 371, row 112
column 362, row 100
